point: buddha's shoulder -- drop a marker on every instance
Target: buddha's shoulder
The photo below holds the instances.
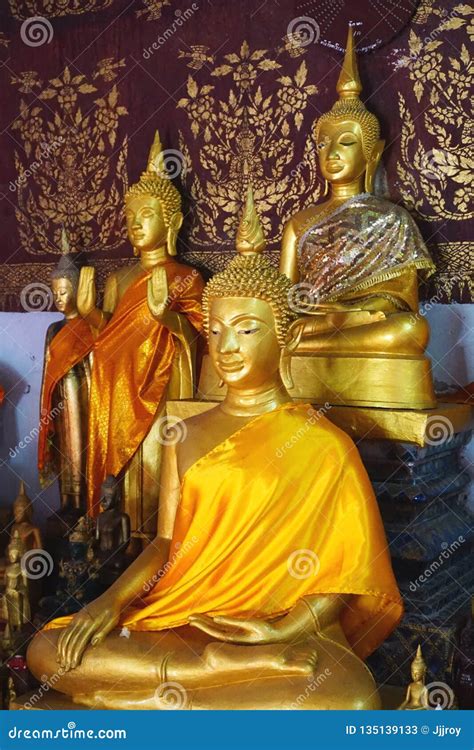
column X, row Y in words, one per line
column 301, row 219
column 200, row 423
column 313, row 423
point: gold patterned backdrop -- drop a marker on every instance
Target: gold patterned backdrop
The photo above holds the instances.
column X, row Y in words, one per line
column 235, row 90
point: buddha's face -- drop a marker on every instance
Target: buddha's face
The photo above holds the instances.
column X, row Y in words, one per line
column 341, row 157
column 63, row 295
column 243, row 342
column 146, row 225
column 20, row 511
column 107, row 497
column 13, row 554
column 417, row 673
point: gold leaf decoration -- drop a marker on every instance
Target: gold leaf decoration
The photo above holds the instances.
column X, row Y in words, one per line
column 436, row 174
column 23, row 9
column 246, row 136
column 71, row 171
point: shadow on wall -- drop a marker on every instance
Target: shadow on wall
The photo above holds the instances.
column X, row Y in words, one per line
column 22, row 338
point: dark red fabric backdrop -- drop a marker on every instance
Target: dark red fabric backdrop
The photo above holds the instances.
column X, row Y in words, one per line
column 234, row 89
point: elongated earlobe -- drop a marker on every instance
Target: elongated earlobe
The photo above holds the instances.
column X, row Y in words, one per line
column 285, row 369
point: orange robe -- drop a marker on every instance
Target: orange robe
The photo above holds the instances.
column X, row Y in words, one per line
column 133, row 357
column 280, row 510
column 67, row 348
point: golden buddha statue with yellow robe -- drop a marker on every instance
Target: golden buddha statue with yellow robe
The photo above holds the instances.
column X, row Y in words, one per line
column 355, row 260
column 270, row 565
column 62, row 439
column 145, row 351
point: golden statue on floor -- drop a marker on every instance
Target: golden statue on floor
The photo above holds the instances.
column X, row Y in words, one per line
column 416, row 697
column 62, row 440
column 355, row 260
column 146, row 349
column 251, row 589
column 23, row 526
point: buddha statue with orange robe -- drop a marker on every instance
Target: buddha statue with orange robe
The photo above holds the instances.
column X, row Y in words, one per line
column 62, row 440
column 355, row 260
column 270, row 566
column 145, row 352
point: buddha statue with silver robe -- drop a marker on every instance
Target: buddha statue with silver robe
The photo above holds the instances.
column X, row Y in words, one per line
column 251, row 588
column 355, row 260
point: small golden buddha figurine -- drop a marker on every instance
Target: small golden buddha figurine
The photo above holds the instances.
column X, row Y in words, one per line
column 16, row 594
column 146, row 350
column 230, row 602
column 355, row 260
column 416, row 698
column 29, row 534
column 62, row 440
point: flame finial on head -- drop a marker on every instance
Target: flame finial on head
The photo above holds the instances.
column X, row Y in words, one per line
column 349, row 85
column 156, row 182
column 65, row 246
column 250, row 237
column 419, row 661
column 349, row 106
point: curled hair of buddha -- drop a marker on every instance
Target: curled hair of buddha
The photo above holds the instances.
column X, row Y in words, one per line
column 66, row 268
column 250, row 274
column 349, row 106
column 156, row 182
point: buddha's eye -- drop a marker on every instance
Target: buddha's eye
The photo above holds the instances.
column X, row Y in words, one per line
column 214, row 331
column 248, row 331
column 347, row 142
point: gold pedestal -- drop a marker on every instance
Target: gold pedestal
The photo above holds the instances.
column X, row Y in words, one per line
column 380, row 382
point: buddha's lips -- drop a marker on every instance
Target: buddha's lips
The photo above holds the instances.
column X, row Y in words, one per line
column 230, row 366
column 334, row 166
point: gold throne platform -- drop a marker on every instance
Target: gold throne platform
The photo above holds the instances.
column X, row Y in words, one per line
column 379, row 382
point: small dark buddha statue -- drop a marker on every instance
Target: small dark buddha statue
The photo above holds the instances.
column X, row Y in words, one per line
column 112, row 529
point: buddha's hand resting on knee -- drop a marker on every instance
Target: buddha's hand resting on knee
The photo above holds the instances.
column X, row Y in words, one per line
column 234, row 630
column 88, row 627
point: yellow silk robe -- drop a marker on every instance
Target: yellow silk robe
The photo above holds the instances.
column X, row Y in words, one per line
column 280, row 510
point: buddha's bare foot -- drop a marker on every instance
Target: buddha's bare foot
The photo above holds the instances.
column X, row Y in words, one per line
column 297, row 659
